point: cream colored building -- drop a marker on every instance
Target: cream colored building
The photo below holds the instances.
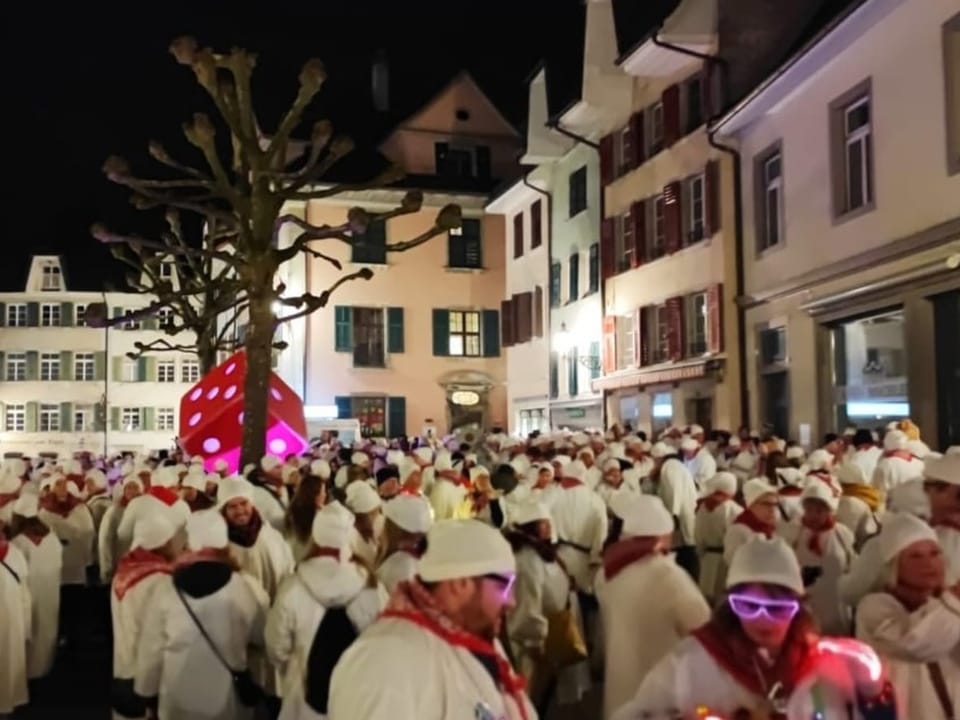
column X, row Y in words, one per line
column 851, row 186
column 66, row 387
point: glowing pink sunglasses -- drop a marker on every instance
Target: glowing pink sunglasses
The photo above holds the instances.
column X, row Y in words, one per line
column 750, row 607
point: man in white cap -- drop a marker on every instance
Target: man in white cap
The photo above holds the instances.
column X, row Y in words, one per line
column 269, row 493
column 696, row 457
column 897, row 465
column 364, row 502
column 580, row 519
column 449, row 488
column 409, row 517
column 941, row 481
column 443, row 626
column 761, row 506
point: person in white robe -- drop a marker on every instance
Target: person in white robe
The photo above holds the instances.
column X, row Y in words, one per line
column 159, row 496
column 791, row 482
column 897, row 465
column 614, row 478
column 44, row 555
column 367, row 507
column 97, row 496
column 109, row 546
column 861, row 505
column 678, row 491
column 864, row 452
column 15, row 627
column 10, row 485
column 449, row 488
column 716, row 511
column 915, row 623
column 698, row 460
column 270, row 496
column 580, row 519
column 328, row 578
column 942, row 485
column 759, row 517
column 408, row 518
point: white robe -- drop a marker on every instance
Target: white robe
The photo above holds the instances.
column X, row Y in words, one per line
column 15, row 630
column 864, row 576
column 866, row 458
column 855, row 514
column 580, row 520
column 272, row 508
column 397, row 568
column 76, row 534
column 894, row 471
column 446, row 498
column 711, row 529
column 130, row 618
column 44, row 561
column 832, row 614
column 679, row 494
column 702, row 467
column 950, row 543
column 110, row 548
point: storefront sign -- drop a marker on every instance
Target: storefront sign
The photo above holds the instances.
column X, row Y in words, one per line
column 466, row 398
column 576, row 413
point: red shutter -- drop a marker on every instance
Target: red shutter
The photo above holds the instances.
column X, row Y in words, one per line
column 606, row 160
column 506, row 323
column 706, row 91
column 609, row 344
column 607, row 260
column 638, row 218
column 636, row 139
column 673, row 217
column 671, row 115
column 715, row 318
column 675, row 328
column 538, row 312
column 711, row 197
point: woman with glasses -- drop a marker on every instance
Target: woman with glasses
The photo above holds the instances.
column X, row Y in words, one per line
column 759, row 656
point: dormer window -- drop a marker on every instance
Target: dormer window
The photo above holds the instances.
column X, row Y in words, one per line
column 166, row 270
column 50, row 278
column 464, row 161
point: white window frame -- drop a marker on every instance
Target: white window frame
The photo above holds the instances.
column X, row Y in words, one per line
column 772, row 185
column 660, row 319
column 697, row 208
column 166, row 371
column 16, row 315
column 79, row 315
column 625, row 240
column 81, row 419
column 50, row 312
column 190, row 371
column 51, row 278
column 690, row 314
column 15, row 367
column 166, row 270
column 49, row 367
column 862, row 136
column 164, row 316
column 48, row 418
column 131, row 419
column 166, row 419
column 461, row 341
column 84, row 366
column 15, row 418
column 129, row 370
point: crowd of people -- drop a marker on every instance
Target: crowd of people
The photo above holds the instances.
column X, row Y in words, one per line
column 735, row 576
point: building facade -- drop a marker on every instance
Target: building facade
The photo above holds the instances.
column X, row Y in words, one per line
column 851, row 212
column 66, row 387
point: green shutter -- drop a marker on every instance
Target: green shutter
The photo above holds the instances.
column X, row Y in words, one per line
column 3, row 314
column 396, row 417
column 572, row 373
column 491, row 333
column 66, row 365
column 100, row 365
column 116, row 370
column 66, row 314
column 115, row 418
column 98, row 417
column 594, row 360
column 33, row 314
column 343, row 328
column 117, row 312
column 31, row 425
column 141, row 369
column 441, row 332
column 66, row 417
column 149, row 418
column 33, row 365
column 3, row 374
column 395, row 330
column 151, row 369
column 149, row 322
column 344, row 406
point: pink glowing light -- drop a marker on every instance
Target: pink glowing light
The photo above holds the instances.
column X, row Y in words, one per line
column 194, row 419
column 229, row 392
column 276, row 394
column 856, row 651
column 230, row 368
column 211, row 445
column 213, row 392
column 278, row 446
column 195, row 395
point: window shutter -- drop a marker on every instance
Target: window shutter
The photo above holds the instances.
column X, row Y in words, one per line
column 491, row 332
column 149, row 418
column 594, row 360
column 671, row 115
column 149, row 322
column 606, row 159
column 536, row 224
column 607, row 250
column 115, row 418
column 33, row 314
column 673, row 216
column 609, row 344
column 506, row 323
column 524, row 315
column 141, row 369
column 715, row 318
column 396, row 417
column 641, row 348
column 711, row 197
column 554, row 374
column 117, row 370
column 574, row 278
column 518, row 235
column 573, row 373
column 344, row 407
column 538, row 311
column 66, row 314
column 117, row 312
column 100, row 365
column 66, row 417
column 675, row 328
column 441, row 332
column 555, row 282
column 343, row 328
column 33, row 365
column 3, row 374
column 151, row 369
column 66, row 365
column 455, row 251
column 638, row 217
column 637, row 141
column 31, row 419
column 395, row 330
column 3, row 314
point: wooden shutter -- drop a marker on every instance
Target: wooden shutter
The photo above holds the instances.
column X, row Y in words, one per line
column 3, row 368
column 671, row 115
column 3, row 314
column 441, row 332
column 715, row 318
column 33, row 365
column 711, row 197
column 641, row 336
column 66, row 365
column 637, row 140
column 506, row 323
column 33, row 314
column 594, row 360
column 673, row 217
column 30, row 421
column 490, row 328
column 518, row 235
column 66, row 314
column 523, row 315
column 554, row 374
column 343, row 328
column 149, row 418
column 638, row 218
column 395, row 329
column 115, row 418
column 141, row 369
column 538, row 311
column 100, row 365
column 606, row 160
column 609, row 344
column 396, row 417
column 607, row 249
column 675, row 328
column 66, row 417
column 536, row 224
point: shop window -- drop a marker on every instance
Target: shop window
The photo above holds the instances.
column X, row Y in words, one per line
column 532, row 420
column 662, row 412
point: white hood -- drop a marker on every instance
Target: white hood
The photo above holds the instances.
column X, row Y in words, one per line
column 330, row 582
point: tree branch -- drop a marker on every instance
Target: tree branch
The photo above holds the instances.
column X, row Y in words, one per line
column 101, row 233
column 311, row 303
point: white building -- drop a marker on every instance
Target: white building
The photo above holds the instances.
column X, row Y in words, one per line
column 66, row 387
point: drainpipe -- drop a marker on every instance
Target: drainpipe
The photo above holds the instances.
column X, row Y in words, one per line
column 549, row 233
column 106, row 378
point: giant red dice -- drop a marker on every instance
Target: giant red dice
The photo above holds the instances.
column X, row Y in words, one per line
column 211, row 416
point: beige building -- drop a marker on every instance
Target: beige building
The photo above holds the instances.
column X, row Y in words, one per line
column 851, row 195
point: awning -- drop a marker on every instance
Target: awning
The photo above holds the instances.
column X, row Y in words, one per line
column 660, row 374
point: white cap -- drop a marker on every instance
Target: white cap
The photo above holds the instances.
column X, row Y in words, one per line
column 944, row 469
column 618, row 450
column 360, row 458
column 791, row 476
column 206, row 529
column 895, row 440
column 725, row 482
column 900, row 531
column 395, row 457
column 817, row 490
column 586, row 451
column 97, row 477
column 647, row 517
column 270, row 462
column 521, row 464
column 409, row 512
column 755, row 489
column 661, row 450
column 221, row 465
column 27, row 505
column 579, row 439
column 688, row 444
column 819, row 460
column 406, row 468
column 195, row 479
column 424, row 454
column 361, row 498
column 333, row 527
column 528, row 512
column 768, row 561
column 561, row 460
column 321, row 468
column 745, row 461
column 340, row 479
column 611, row 464
column 575, row 470
column 464, row 549
column 734, row 442
column 695, row 430
column 795, row 452
column 234, row 487
column 152, row 531
column 167, row 476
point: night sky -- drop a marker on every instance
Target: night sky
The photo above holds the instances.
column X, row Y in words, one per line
column 82, row 82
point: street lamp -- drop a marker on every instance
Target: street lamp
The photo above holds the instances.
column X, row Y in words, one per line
column 564, row 342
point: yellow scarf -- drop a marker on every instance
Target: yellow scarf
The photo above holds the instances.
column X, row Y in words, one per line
column 870, row 495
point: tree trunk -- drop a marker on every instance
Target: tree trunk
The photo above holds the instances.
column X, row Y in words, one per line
column 259, row 349
column 206, row 353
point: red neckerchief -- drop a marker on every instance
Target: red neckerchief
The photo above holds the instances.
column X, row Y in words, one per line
column 4, row 547
column 902, row 454
column 6, row 498
column 135, row 566
column 733, row 654
column 415, row 492
column 509, row 682
column 247, row 535
column 815, row 542
column 567, row 483
column 36, row 537
column 754, row 523
column 712, row 501
column 165, row 495
column 789, row 491
column 413, row 550
column 322, row 552
column 478, row 502
column 623, row 553
column 50, row 503
column 77, row 480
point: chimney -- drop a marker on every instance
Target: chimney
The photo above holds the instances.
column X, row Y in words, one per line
column 380, row 82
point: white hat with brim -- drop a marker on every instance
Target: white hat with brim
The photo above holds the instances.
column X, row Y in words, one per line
column 321, row 469
column 361, row 498
column 661, row 450
column 333, row 527
column 817, row 490
column 943, row 469
column 152, row 531
column 206, row 529
column 410, row 513
column 234, row 487
column 820, row 460
column 755, row 489
column 725, row 482
column 647, row 517
column 768, row 562
column 900, row 532
column 465, row 549
column 196, row 479
column 269, row 462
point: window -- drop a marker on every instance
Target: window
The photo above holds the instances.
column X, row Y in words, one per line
column 51, row 278
column 49, row 366
column 573, row 364
column 16, row 367
column 371, row 246
column 695, row 193
column 518, row 235
column 659, row 334
column 82, row 420
column 80, row 315
column 536, row 224
column 573, row 286
column 555, row 280
column 368, row 337
column 129, row 419
column 773, row 346
column 656, row 129
column 49, row 418
column 17, row 315
column 190, row 371
column 164, row 317
column 662, row 412
column 578, row 191
column 166, row 270
column 50, row 315
column 462, row 162
column 593, row 269
column 659, row 245
column 15, row 418
column 532, row 420
column 769, row 199
column 464, row 245
column 624, row 241
column 371, row 412
column 554, row 375
column 695, row 322
column 694, row 103
column 133, row 323
column 951, row 75
column 165, row 419
column 166, row 371
column 465, row 333
column 624, row 150
column 84, row 367
column 129, row 370
column 626, row 356
column 852, row 151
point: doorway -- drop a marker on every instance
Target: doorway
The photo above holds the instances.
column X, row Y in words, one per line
column 700, row 412
column 776, row 402
column 947, row 323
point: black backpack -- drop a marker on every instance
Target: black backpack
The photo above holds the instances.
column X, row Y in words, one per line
column 334, row 635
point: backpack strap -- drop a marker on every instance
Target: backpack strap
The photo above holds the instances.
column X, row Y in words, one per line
column 203, row 631
column 11, row 571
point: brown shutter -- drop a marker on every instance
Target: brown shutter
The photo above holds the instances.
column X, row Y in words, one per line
column 715, row 318
column 711, row 197
column 538, row 311
column 638, row 218
column 671, row 115
column 606, row 160
column 536, row 224
column 607, row 260
column 675, row 328
column 641, row 337
column 636, row 139
column 506, row 323
column 524, row 317
column 609, row 344
column 515, row 319
column 518, row 234
column 673, row 217
column 706, row 91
